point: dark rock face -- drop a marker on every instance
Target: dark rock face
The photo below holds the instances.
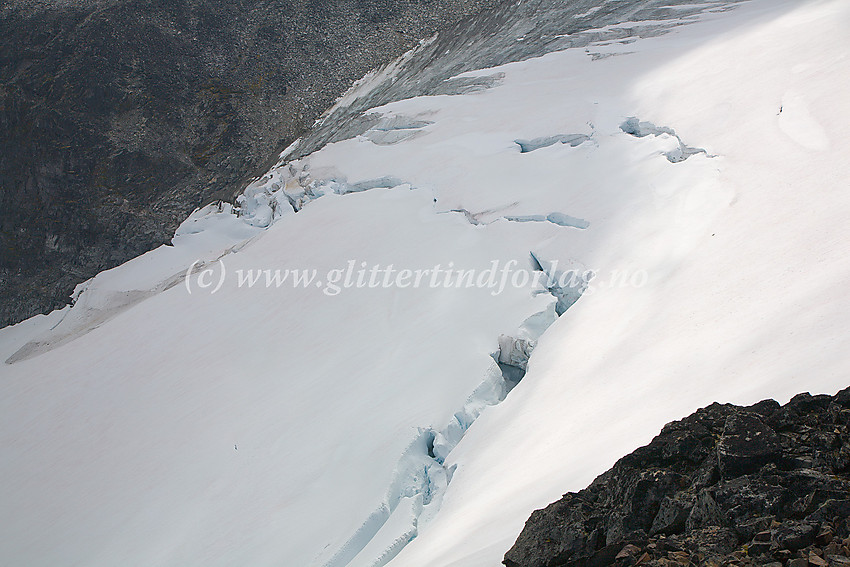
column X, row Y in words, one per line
column 728, row 485
column 119, row 117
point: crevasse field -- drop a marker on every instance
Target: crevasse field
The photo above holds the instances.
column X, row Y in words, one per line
column 279, row 389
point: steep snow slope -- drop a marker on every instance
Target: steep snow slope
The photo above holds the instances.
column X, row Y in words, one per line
column 179, row 414
column 747, row 291
column 255, row 425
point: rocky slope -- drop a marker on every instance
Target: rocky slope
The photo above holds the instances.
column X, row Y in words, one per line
column 119, row 117
column 759, row 485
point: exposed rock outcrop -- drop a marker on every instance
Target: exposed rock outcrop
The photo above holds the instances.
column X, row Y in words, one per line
column 758, row 485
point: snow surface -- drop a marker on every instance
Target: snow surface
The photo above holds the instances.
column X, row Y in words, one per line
column 700, row 174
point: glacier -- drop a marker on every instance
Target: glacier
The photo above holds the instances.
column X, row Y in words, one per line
column 172, row 416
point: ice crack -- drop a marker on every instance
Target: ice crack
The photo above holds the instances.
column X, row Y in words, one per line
column 421, row 476
column 526, row 146
column 638, row 129
column 489, row 216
